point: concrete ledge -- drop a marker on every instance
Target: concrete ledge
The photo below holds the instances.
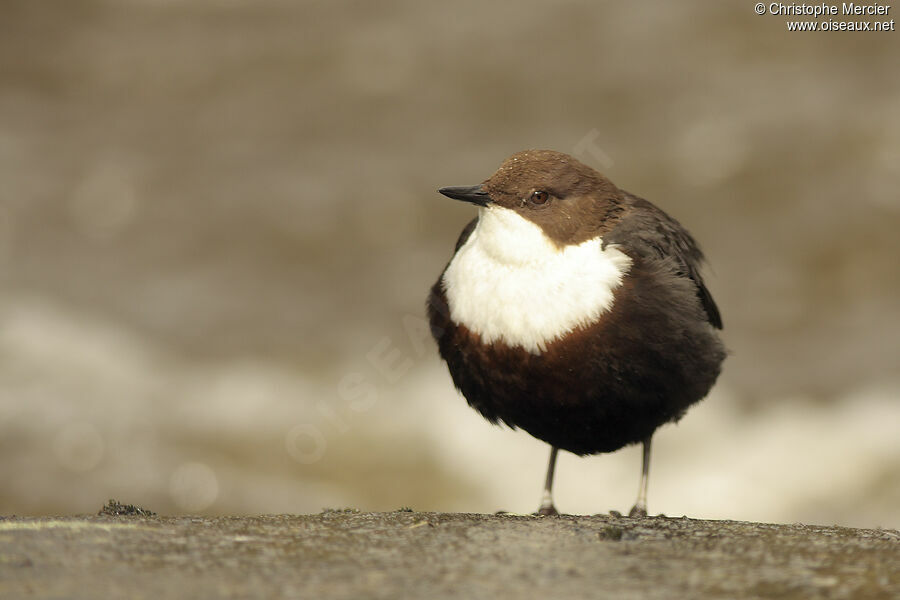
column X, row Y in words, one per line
column 348, row 554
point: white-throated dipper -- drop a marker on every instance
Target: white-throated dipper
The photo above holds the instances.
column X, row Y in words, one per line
column 574, row 310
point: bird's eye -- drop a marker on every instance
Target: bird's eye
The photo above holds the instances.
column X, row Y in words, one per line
column 539, row 197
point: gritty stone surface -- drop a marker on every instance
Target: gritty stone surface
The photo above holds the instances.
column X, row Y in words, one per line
column 348, row 554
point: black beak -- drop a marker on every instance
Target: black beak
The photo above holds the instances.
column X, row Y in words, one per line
column 467, row 193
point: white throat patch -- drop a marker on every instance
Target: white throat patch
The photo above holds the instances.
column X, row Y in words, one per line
column 510, row 282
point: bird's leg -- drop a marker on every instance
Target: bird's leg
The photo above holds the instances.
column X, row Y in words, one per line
column 547, row 508
column 640, row 506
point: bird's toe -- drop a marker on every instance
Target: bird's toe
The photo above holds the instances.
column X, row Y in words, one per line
column 547, row 511
column 637, row 512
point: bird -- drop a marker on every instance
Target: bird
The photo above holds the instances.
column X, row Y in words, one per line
column 575, row 311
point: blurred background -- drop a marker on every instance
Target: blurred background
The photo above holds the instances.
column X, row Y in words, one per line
column 218, row 225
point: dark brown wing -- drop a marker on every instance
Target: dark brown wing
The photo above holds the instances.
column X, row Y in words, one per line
column 652, row 234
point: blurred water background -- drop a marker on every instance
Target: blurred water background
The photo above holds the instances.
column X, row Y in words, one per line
column 218, row 224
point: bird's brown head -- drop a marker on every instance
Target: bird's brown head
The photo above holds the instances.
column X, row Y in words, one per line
column 567, row 199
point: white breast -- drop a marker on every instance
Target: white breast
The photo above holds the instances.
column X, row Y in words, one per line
column 510, row 282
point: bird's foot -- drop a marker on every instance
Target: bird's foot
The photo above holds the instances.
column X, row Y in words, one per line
column 638, row 511
column 547, row 510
